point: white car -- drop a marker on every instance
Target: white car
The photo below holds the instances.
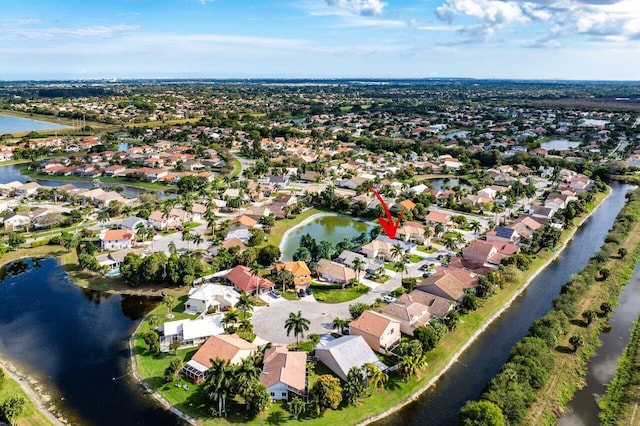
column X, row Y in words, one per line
column 388, row 299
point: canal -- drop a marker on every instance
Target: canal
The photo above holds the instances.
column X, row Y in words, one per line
column 464, row 381
column 75, row 343
column 583, row 409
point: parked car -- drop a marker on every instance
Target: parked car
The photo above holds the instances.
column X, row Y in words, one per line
column 427, row 274
column 309, row 291
column 301, row 293
column 424, row 267
column 388, row 298
column 274, row 293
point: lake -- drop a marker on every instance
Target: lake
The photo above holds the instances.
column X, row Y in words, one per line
column 448, row 182
column 559, row 144
column 332, row 228
column 11, row 173
column 75, row 342
column 10, row 124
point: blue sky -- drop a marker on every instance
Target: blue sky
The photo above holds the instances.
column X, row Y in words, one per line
column 548, row 39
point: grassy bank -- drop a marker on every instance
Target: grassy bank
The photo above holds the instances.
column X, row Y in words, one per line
column 104, row 179
column 570, row 366
column 397, row 392
column 281, row 226
column 620, row 404
column 31, row 415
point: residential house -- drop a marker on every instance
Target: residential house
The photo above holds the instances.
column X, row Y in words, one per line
column 503, row 233
column 299, row 270
column 412, row 231
column 115, row 258
column 481, row 252
column 226, row 347
column 116, row 239
column 370, row 267
column 341, row 354
column 131, row 223
column 409, row 313
column 158, row 220
column 443, row 285
column 27, row 190
column 208, row 296
column 433, row 218
column 285, row 373
column 334, row 272
column 16, row 221
column 437, row 306
column 244, row 281
column 380, row 332
column 190, row 332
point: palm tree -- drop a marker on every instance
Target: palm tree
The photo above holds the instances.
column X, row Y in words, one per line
column 197, row 239
column 150, row 233
column 141, row 231
column 230, row 319
column 187, row 236
column 450, row 243
column 438, row 229
column 377, row 377
column 401, row 267
column 397, row 251
column 218, row 384
column 103, row 217
column 339, row 323
column 408, row 366
column 426, row 234
column 298, row 324
column 475, row 226
column 244, row 304
column 254, row 269
column 496, row 208
column 246, row 372
column 172, row 247
column 358, row 266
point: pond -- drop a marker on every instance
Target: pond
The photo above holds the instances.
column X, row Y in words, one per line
column 559, row 144
column 75, row 343
column 448, row 182
column 329, row 227
column 10, row 124
column 11, row 173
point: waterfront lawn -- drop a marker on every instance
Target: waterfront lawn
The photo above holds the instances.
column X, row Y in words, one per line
column 31, row 415
column 339, row 295
column 282, row 226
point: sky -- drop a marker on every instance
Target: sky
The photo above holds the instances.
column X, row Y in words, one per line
column 521, row 39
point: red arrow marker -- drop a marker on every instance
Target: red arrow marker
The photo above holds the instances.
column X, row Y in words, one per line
column 389, row 226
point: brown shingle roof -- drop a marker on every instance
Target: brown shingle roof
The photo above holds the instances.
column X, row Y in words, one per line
column 223, row 346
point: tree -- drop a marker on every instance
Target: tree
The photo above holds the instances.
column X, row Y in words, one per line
column 197, row 239
column 268, row 255
column 88, row 261
column 103, row 217
column 450, row 243
column 152, row 340
column 244, row 304
column 230, row 319
column 298, row 324
column 3, row 378
column 172, row 248
column 174, row 346
column 451, row 319
column 218, row 385
column 339, row 324
column 480, row 413
column 605, row 308
column 426, row 234
column 397, row 252
column 169, row 301
column 303, row 254
column 576, row 341
column 328, row 391
column 476, row 227
column 358, row 266
column 12, row 407
column 604, row 274
column 408, row 367
column 400, row 267
column 377, row 377
column 296, row 407
column 187, row 236
column 257, row 237
column 257, row 397
column 589, row 316
column 356, row 309
column 438, row 229
column 355, row 386
column 130, row 268
column 172, row 372
column 15, row 240
column 622, row 252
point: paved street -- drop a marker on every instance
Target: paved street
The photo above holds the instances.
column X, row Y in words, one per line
column 268, row 321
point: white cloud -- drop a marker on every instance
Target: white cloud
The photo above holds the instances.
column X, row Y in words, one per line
column 35, row 33
column 604, row 20
column 358, row 7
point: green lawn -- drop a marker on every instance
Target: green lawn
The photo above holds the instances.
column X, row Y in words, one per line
column 415, row 258
column 427, row 250
column 282, row 226
column 31, row 416
column 339, row 295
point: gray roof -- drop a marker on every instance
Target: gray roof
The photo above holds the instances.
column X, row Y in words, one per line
column 346, row 352
column 130, row 222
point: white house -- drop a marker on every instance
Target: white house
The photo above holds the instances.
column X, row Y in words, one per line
column 190, row 332
column 346, row 352
column 210, row 295
column 16, row 221
column 116, row 239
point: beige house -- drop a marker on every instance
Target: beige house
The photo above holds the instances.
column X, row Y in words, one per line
column 379, row 331
column 285, row 373
column 334, row 272
column 226, row 347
